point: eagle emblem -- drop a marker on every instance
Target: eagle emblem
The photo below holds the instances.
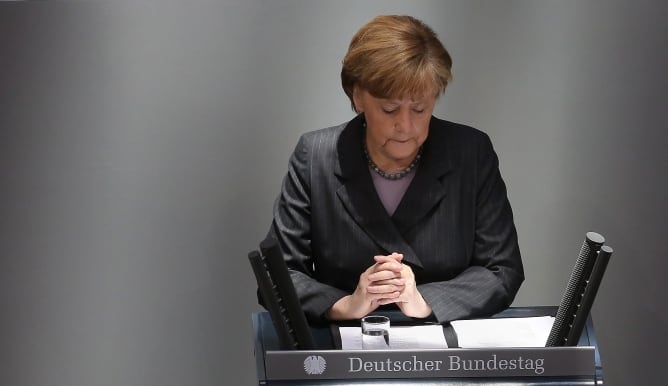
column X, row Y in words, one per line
column 315, row 365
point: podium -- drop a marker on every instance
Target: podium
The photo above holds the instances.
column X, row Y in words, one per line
column 577, row 365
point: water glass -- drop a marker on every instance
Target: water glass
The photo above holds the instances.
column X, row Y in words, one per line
column 375, row 332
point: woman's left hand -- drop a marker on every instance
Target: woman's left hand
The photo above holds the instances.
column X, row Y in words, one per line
column 410, row 301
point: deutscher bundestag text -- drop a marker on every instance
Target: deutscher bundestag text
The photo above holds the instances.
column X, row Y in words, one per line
column 453, row 363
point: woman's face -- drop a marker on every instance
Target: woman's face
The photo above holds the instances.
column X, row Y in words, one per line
column 396, row 128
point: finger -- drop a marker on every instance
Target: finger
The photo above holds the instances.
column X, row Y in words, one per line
column 398, row 282
column 406, row 270
column 397, row 256
column 383, row 289
column 389, row 300
column 383, row 259
column 391, row 265
column 384, row 297
column 383, row 275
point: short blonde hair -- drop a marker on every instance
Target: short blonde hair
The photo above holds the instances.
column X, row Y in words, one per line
column 396, row 56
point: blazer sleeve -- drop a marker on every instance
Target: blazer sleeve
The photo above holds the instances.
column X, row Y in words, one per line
column 495, row 272
column 292, row 228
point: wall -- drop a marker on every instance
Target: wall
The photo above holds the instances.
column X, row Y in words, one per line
column 142, row 144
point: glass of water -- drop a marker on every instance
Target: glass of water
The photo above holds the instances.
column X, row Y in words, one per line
column 375, row 332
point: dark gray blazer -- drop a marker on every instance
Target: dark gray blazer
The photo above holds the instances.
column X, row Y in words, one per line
column 454, row 224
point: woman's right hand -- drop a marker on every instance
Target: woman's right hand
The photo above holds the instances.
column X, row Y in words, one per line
column 379, row 283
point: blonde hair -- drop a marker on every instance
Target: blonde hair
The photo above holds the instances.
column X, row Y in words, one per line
column 396, row 56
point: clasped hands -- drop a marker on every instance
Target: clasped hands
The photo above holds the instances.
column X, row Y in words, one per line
column 385, row 282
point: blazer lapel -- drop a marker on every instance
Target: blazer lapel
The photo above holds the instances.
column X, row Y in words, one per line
column 427, row 188
column 358, row 195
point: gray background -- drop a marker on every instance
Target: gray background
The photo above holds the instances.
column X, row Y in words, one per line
column 142, row 145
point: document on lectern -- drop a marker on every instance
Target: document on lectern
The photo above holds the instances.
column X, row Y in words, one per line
column 503, row 332
column 401, row 337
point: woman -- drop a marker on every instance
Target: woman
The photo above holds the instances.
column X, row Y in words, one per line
column 397, row 207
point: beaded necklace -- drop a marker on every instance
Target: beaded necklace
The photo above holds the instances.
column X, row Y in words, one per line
column 392, row 176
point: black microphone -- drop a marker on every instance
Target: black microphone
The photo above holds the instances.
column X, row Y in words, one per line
column 573, row 293
column 279, row 273
column 271, row 300
column 589, row 294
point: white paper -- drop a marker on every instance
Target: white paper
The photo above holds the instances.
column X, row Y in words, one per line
column 503, row 332
column 401, row 337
